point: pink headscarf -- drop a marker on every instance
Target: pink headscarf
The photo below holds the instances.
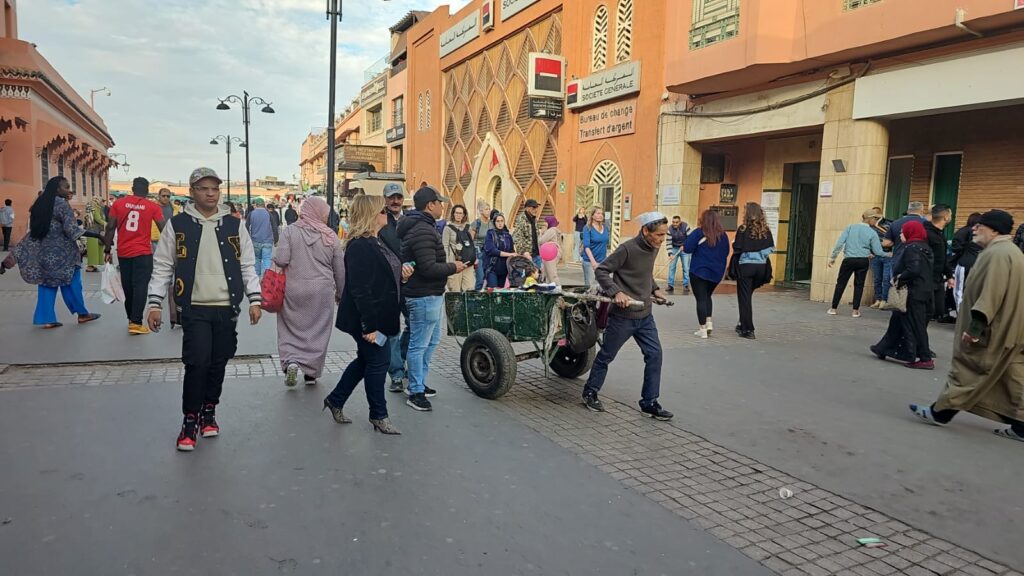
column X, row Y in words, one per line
column 313, row 213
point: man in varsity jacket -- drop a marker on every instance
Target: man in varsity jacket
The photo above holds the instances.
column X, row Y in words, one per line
column 210, row 258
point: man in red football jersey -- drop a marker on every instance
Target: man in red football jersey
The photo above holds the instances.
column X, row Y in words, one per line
column 132, row 217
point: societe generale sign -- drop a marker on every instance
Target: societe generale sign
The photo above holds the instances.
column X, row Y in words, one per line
column 622, row 80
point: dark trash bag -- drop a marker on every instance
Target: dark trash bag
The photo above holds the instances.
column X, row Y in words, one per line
column 580, row 327
column 519, row 268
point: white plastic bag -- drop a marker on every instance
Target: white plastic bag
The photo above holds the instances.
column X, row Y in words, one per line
column 111, row 290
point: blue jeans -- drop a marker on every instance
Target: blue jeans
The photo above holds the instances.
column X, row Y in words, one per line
column 264, row 250
column 370, row 366
column 881, row 274
column 46, row 299
column 398, row 349
column 619, row 330
column 588, row 272
column 676, row 255
column 479, row 268
column 424, row 336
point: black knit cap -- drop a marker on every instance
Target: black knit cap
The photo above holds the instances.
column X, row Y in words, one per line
column 998, row 220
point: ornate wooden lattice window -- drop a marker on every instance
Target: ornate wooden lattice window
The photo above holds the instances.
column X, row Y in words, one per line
column 714, row 21
column 428, row 111
column 624, row 31
column 854, row 4
column 599, row 52
column 44, row 164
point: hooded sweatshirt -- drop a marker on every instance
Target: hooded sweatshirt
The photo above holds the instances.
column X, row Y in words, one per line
column 211, row 284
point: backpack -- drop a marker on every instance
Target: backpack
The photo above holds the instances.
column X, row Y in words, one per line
column 467, row 253
column 519, row 268
column 1018, row 238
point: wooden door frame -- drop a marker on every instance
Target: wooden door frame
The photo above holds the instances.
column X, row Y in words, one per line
column 888, row 172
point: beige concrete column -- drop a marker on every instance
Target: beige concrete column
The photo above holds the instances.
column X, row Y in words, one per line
column 863, row 146
column 678, row 169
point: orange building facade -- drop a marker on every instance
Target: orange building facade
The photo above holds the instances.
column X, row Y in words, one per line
column 46, row 128
column 470, row 127
column 821, row 109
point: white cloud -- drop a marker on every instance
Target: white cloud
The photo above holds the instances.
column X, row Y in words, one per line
column 166, row 63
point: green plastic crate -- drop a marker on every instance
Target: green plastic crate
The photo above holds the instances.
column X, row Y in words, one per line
column 521, row 316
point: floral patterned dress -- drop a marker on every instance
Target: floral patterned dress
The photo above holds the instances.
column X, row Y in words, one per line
column 52, row 261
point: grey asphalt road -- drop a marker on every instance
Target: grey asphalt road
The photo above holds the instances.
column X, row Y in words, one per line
column 90, row 483
column 809, row 398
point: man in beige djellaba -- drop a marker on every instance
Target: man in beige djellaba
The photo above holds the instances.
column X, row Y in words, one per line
column 987, row 376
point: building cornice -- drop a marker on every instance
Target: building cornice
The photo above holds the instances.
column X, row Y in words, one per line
column 12, row 73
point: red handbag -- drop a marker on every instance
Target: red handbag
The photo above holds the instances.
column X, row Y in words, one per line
column 272, row 289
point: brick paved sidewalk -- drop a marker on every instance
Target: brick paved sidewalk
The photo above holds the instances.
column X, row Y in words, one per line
column 733, row 497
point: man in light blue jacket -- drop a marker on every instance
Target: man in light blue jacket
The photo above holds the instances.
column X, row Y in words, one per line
column 858, row 242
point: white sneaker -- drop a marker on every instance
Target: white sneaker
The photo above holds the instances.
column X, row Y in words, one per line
column 291, row 375
column 702, row 333
column 832, row 312
column 856, row 314
column 711, row 326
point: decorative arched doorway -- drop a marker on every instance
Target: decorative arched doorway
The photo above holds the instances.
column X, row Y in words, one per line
column 606, row 183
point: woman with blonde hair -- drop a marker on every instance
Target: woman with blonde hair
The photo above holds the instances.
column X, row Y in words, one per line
column 314, row 262
column 457, row 241
column 368, row 311
column 751, row 248
column 596, row 237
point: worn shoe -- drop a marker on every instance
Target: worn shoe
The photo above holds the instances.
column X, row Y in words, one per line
column 878, row 304
column 925, row 413
column 856, row 314
column 922, row 365
column 291, row 375
column 189, row 433
column 336, row 412
column 670, row 289
column 748, row 334
column 877, row 351
column 832, row 312
column 397, row 386
column 701, row 333
column 137, row 329
column 710, row 326
column 384, row 426
column 208, row 427
column 593, row 403
column 1008, row 433
column 656, row 411
column 419, row 402
column 310, row 380
column 686, row 290
column 86, row 318
column 429, row 392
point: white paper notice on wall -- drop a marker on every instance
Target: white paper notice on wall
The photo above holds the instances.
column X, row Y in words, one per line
column 825, row 189
column 670, row 195
column 770, row 202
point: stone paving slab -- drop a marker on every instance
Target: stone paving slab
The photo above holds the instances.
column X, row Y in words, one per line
column 735, row 498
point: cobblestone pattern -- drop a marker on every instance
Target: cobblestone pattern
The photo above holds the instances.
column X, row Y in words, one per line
column 737, row 499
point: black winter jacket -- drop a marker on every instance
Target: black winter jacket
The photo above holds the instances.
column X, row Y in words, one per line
column 965, row 250
column 422, row 244
column 913, row 269
column 937, row 243
column 370, row 301
column 389, row 235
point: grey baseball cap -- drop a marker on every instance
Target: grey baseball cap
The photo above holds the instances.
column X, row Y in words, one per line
column 200, row 173
column 393, row 189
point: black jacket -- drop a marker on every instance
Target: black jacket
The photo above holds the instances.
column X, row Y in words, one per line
column 389, row 235
column 913, row 269
column 369, row 302
column 422, row 244
column 965, row 250
column 937, row 244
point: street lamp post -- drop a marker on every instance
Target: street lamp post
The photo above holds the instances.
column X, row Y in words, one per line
column 124, row 163
column 92, row 96
column 246, row 101
column 334, row 15
column 227, row 140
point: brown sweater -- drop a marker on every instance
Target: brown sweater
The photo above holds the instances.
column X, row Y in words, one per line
column 630, row 269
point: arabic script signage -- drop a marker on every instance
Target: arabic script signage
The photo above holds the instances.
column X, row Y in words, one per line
column 617, row 119
column 461, row 34
column 354, row 154
column 510, row 8
column 609, row 84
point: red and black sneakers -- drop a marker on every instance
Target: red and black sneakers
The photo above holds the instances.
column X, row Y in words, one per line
column 208, row 427
column 189, row 432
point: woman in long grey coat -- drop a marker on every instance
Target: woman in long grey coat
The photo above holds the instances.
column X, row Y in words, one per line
column 313, row 260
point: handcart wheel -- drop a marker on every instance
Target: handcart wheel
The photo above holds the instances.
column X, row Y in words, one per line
column 488, row 363
column 569, row 364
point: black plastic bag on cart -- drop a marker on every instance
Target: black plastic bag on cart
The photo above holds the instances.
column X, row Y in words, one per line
column 580, row 327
